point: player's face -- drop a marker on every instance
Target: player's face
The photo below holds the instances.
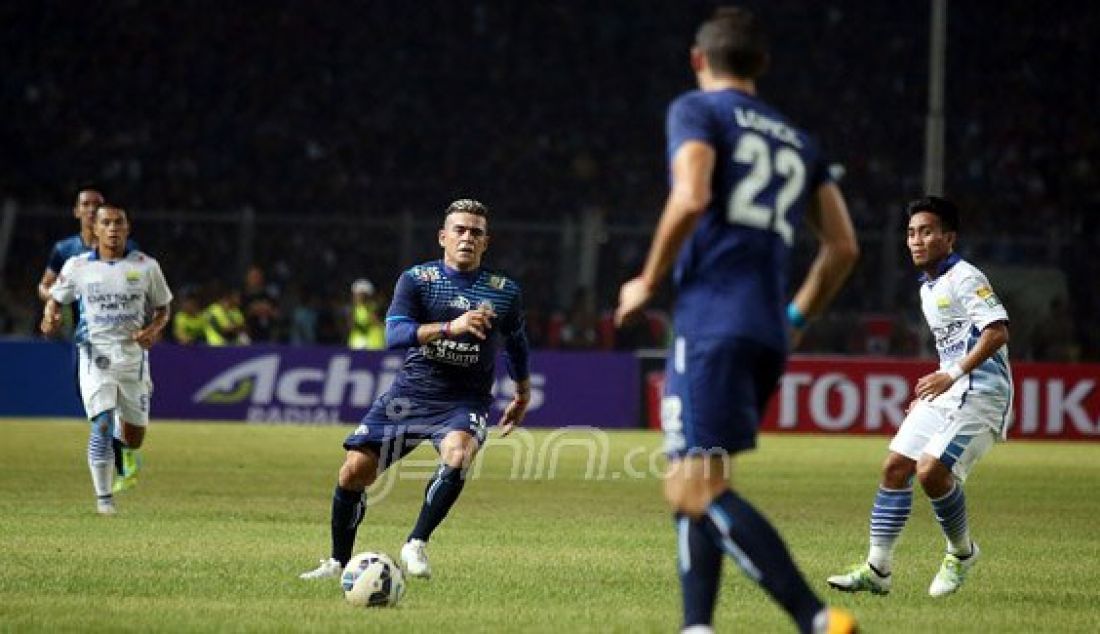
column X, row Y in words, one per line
column 928, row 242
column 87, row 202
column 111, row 228
column 464, row 238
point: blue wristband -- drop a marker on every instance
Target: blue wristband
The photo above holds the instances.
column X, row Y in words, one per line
column 795, row 316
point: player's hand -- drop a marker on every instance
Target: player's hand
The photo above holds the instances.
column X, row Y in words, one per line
column 146, row 337
column 932, row 385
column 51, row 322
column 633, row 296
column 475, row 322
column 513, row 414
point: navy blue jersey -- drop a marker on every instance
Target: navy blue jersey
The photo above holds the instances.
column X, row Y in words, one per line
column 456, row 369
column 67, row 248
column 731, row 274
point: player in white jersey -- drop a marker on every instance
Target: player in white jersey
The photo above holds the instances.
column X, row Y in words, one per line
column 116, row 288
column 959, row 411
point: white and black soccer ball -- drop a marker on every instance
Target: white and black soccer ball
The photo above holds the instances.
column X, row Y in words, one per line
column 373, row 580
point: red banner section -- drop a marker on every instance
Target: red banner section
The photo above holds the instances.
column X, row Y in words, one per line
column 869, row 396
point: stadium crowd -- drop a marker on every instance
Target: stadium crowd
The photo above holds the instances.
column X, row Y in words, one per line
column 545, row 111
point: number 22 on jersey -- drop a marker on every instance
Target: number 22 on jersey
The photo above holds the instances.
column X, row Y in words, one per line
column 745, row 207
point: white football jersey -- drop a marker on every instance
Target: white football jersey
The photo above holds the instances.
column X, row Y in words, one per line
column 115, row 298
column 958, row 305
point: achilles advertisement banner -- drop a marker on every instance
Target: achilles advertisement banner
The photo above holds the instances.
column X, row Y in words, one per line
column 276, row 384
column 869, row 396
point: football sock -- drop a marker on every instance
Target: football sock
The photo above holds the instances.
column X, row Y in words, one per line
column 348, row 508
column 117, row 446
column 759, row 551
column 439, row 496
column 700, row 568
column 950, row 512
column 888, row 517
column 100, row 453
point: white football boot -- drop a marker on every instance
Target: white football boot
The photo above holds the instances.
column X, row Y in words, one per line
column 861, row 578
column 105, row 506
column 415, row 558
column 953, row 572
column 329, row 569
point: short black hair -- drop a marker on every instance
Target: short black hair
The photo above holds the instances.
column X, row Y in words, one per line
column 942, row 208
column 89, row 186
column 734, row 43
column 125, row 214
column 466, row 206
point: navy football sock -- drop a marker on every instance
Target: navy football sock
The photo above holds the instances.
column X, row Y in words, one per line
column 439, row 496
column 700, row 568
column 117, row 445
column 348, row 508
column 760, row 552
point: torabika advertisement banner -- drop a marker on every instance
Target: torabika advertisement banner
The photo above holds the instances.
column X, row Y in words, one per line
column 846, row 395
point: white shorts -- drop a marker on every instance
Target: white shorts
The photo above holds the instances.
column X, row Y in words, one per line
column 956, row 437
column 103, row 387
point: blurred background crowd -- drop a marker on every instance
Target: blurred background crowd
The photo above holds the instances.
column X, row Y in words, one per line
column 273, row 154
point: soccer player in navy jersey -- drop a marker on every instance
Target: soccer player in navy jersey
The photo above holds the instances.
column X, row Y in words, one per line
column 450, row 315
column 743, row 177
column 88, row 199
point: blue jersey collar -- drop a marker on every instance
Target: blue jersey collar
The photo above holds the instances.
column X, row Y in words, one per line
column 466, row 276
column 948, row 262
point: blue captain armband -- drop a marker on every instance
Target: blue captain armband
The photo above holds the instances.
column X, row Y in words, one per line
column 795, row 316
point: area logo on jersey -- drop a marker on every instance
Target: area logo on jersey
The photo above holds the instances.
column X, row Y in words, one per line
column 987, row 294
column 426, row 273
column 133, row 277
column 497, row 281
column 943, row 303
column 461, row 303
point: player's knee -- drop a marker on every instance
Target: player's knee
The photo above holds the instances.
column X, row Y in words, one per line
column 458, row 451
column 690, row 497
column 897, row 471
column 458, row 457
column 359, row 471
column 934, row 476
column 133, row 435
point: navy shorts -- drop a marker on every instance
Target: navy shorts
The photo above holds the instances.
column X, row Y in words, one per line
column 395, row 425
column 716, row 391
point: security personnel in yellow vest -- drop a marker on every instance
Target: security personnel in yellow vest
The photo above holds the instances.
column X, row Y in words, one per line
column 225, row 325
column 365, row 329
column 189, row 323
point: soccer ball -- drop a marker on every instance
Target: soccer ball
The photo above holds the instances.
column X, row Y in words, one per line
column 373, row 580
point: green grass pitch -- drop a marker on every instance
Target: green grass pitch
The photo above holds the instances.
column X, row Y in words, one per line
column 226, row 516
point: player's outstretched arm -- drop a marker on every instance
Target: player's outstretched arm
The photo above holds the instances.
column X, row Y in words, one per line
column 517, row 409
column 692, row 167
column 148, row 335
column 837, row 251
